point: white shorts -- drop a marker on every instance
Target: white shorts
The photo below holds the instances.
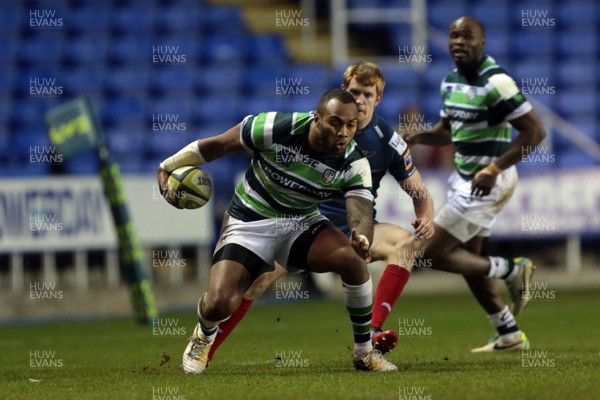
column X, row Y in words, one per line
column 465, row 216
column 270, row 239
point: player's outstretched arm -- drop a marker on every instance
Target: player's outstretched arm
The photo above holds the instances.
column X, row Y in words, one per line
column 422, row 203
column 197, row 153
column 531, row 133
column 439, row 135
column 359, row 215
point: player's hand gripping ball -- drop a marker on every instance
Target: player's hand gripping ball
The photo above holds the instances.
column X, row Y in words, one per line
column 189, row 187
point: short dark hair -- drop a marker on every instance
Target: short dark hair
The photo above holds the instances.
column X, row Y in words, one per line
column 338, row 94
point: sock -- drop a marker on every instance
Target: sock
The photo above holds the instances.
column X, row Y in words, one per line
column 390, row 287
column 207, row 330
column 502, row 268
column 505, row 323
column 225, row 328
column 359, row 303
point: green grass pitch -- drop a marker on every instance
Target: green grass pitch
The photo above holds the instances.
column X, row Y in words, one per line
column 117, row 359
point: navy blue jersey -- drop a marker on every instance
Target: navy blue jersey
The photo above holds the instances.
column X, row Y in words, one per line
column 386, row 151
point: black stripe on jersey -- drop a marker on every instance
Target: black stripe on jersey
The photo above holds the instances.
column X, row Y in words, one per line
column 487, row 148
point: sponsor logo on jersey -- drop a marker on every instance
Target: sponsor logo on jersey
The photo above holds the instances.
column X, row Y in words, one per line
column 328, row 175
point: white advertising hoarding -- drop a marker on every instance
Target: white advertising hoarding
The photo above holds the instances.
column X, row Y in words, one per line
column 71, row 213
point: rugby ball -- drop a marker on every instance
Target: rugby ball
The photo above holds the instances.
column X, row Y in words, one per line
column 191, row 187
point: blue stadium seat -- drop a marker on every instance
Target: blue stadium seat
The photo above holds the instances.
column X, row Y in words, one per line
column 177, row 18
column 173, row 79
column 262, row 79
column 25, row 141
column 126, row 140
column 134, row 19
column 88, row 49
column 9, row 47
column 492, row 14
column 125, row 109
column 181, row 48
column 43, row 49
column 91, row 19
column 165, row 144
column 577, row 102
column 579, row 72
column 225, row 108
column 497, row 43
column 311, row 74
column 30, row 112
column 440, row 15
column 532, row 68
column 262, row 104
column 129, row 49
column 436, row 72
column 85, row 79
column 534, row 43
column 8, row 79
column 578, row 43
column 12, row 20
column 223, row 48
column 4, row 138
column 179, row 106
column 583, row 15
column 222, row 20
column 6, row 105
column 266, row 49
column 129, row 78
column 220, row 79
column 85, row 163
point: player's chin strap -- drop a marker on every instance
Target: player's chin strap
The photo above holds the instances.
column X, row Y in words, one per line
column 189, row 155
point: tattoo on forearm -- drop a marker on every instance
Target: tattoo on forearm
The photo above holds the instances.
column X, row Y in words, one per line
column 360, row 215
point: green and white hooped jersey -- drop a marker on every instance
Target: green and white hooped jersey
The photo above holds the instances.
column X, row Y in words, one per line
column 479, row 110
column 286, row 178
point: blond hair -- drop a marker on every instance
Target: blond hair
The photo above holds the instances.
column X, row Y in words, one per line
column 367, row 74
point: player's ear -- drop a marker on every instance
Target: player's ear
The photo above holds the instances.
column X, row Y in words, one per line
column 378, row 100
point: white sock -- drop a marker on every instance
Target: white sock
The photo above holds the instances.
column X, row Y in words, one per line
column 504, row 321
column 359, row 302
column 499, row 267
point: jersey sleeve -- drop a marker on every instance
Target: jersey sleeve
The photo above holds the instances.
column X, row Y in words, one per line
column 400, row 161
column 505, row 99
column 257, row 131
column 358, row 179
